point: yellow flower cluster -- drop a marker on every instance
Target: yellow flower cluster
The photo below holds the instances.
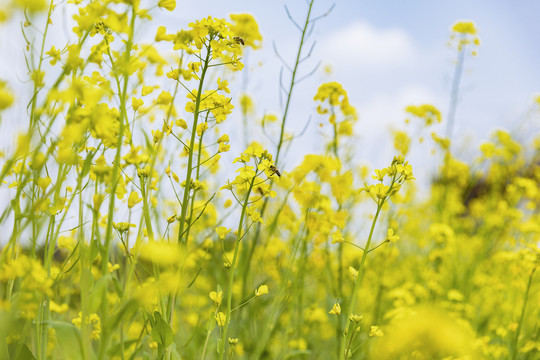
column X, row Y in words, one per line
column 93, row 320
column 426, row 112
column 464, row 34
column 332, row 97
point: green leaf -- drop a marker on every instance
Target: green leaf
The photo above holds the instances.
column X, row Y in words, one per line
column 18, row 351
column 68, row 338
column 174, row 353
column 161, row 331
column 98, row 293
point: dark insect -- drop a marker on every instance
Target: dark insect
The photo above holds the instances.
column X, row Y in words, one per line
column 275, row 170
column 239, row 40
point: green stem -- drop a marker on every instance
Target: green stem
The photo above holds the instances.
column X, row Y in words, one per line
column 357, row 284
column 146, row 210
column 191, row 146
column 221, row 349
column 523, row 308
column 116, row 165
column 208, row 333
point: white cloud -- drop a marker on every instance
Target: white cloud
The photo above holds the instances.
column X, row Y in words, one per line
column 363, row 45
column 384, row 111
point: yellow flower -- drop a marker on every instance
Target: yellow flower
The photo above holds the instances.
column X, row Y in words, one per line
column 146, row 90
column 332, row 95
column 464, row 33
column 44, row 182
column 254, row 215
column 299, row 344
column 246, row 105
column 136, row 103
column 261, row 290
column 222, row 231
column 220, row 318
column 378, row 190
column 32, row 5
column 223, row 138
column 66, row 242
column 161, row 252
column 93, row 320
column 167, row 4
column 60, row 309
column 133, row 199
column 429, row 113
column 174, row 74
column 181, row 123
column 122, row 227
column 246, row 28
column 54, row 53
column 6, row 97
column 402, row 142
column 375, row 331
column 427, row 334
column 112, row 267
column 157, row 136
column 336, row 309
column 391, row 237
column 223, row 147
column 223, row 85
column 465, row 27
column 353, row 272
column 164, row 98
column 201, row 128
column 217, row 297
column 337, row 237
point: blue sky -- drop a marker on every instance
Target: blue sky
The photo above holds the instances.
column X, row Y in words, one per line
column 389, row 54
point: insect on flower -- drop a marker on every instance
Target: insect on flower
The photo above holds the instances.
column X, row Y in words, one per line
column 239, row 40
column 275, row 170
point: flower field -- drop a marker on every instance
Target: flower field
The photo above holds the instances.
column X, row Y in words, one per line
column 132, row 230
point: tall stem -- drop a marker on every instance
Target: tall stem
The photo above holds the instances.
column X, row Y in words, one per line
column 187, row 187
column 117, row 157
column 454, row 94
column 146, row 210
column 357, row 284
column 221, row 349
column 523, row 308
